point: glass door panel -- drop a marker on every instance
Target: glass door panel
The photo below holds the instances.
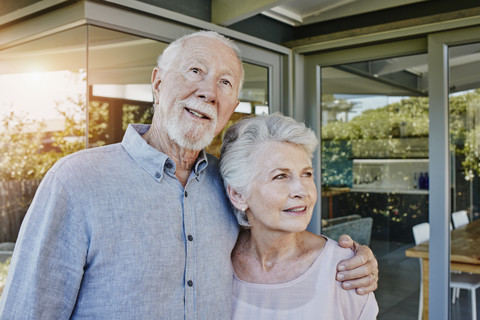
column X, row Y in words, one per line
column 42, row 118
column 374, row 157
column 253, row 100
column 464, row 105
column 120, row 67
column 464, row 126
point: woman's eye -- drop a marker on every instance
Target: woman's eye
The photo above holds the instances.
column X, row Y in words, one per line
column 308, row 174
column 280, row 176
column 195, row 70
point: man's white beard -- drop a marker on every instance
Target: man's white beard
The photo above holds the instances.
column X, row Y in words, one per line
column 188, row 134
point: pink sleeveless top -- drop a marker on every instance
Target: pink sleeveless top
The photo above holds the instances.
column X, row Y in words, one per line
column 314, row 295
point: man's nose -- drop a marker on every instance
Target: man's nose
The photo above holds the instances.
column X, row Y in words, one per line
column 208, row 90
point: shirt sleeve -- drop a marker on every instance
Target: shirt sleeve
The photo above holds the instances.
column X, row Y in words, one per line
column 49, row 257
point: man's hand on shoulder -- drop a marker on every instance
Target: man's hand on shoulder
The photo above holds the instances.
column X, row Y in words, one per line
column 361, row 271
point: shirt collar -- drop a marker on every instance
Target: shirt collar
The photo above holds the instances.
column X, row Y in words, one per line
column 149, row 158
column 201, row 163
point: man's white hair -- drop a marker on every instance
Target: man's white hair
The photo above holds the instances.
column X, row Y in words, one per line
column 166, row 59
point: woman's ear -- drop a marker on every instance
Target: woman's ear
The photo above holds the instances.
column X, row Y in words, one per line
column 237, row 199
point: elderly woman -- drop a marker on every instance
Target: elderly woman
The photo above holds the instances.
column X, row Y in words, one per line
column 281, row 270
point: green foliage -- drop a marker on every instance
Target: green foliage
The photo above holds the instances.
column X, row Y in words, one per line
column 23, row 143
column 135, row 114
column 379, row 130
column 337, row 163
column 383, row 122
column 72, row 138
column 98, row 115
column 25, row 155
column 3, row 274
column 465, row 131
column 21, row 149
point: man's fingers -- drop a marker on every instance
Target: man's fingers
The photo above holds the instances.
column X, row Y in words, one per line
column 345, row 237
column 362, row 257
column 363, row 285
column 357, row 273
column 346, row 242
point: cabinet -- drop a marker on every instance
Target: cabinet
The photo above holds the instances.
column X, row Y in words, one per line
column 389, row 175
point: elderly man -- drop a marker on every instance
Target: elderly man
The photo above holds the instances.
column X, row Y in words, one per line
column 142, row 229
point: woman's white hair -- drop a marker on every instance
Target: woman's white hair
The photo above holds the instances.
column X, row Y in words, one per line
column 166, row 59
column 241, row 140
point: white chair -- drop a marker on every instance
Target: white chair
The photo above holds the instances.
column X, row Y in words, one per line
column 460, row 218
column 469, row 282
column 421, row 233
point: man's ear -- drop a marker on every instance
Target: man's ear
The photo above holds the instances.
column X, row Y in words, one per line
column 237, row 199
column 156, row 80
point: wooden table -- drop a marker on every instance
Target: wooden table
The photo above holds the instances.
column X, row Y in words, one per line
column 464, row 255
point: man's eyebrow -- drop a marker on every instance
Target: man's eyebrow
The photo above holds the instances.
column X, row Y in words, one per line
column 226, row 69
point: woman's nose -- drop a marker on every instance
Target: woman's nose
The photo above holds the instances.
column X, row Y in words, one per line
column 298, row 189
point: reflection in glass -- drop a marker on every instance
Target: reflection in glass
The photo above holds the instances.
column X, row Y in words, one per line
column 42, row 116
column 253, row 100
column 120, row 67
column 464, row 105
column 464, row 125
column 120, row 91
column 43, row 105
column 375, row 143
column 374, row 158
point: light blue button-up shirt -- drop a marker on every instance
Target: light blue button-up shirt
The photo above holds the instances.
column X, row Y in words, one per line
column 112, row 234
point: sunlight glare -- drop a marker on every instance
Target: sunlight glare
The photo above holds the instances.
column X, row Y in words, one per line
column 37, row 93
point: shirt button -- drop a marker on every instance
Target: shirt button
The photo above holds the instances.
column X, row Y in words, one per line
column 168, row 165
column 190, row 283
column 186, row 194
column 157, row 175
column 190, row 237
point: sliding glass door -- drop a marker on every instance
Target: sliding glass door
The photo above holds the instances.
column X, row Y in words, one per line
column 464, row 110
column 400, row 146
column 374, row 163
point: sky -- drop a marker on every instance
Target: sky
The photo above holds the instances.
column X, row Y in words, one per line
column 366, row 102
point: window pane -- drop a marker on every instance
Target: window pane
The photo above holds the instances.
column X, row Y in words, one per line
column 42, row 115
column 253, row 100
column 464, row 123
column 120, row 67
column 43, row 106
column 464, row 104
column 375, row 164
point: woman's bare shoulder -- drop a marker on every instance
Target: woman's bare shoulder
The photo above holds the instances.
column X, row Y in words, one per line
column 313, row 243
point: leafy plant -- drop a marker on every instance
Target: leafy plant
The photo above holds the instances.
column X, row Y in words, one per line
column 379, row 131
column 3, row 274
